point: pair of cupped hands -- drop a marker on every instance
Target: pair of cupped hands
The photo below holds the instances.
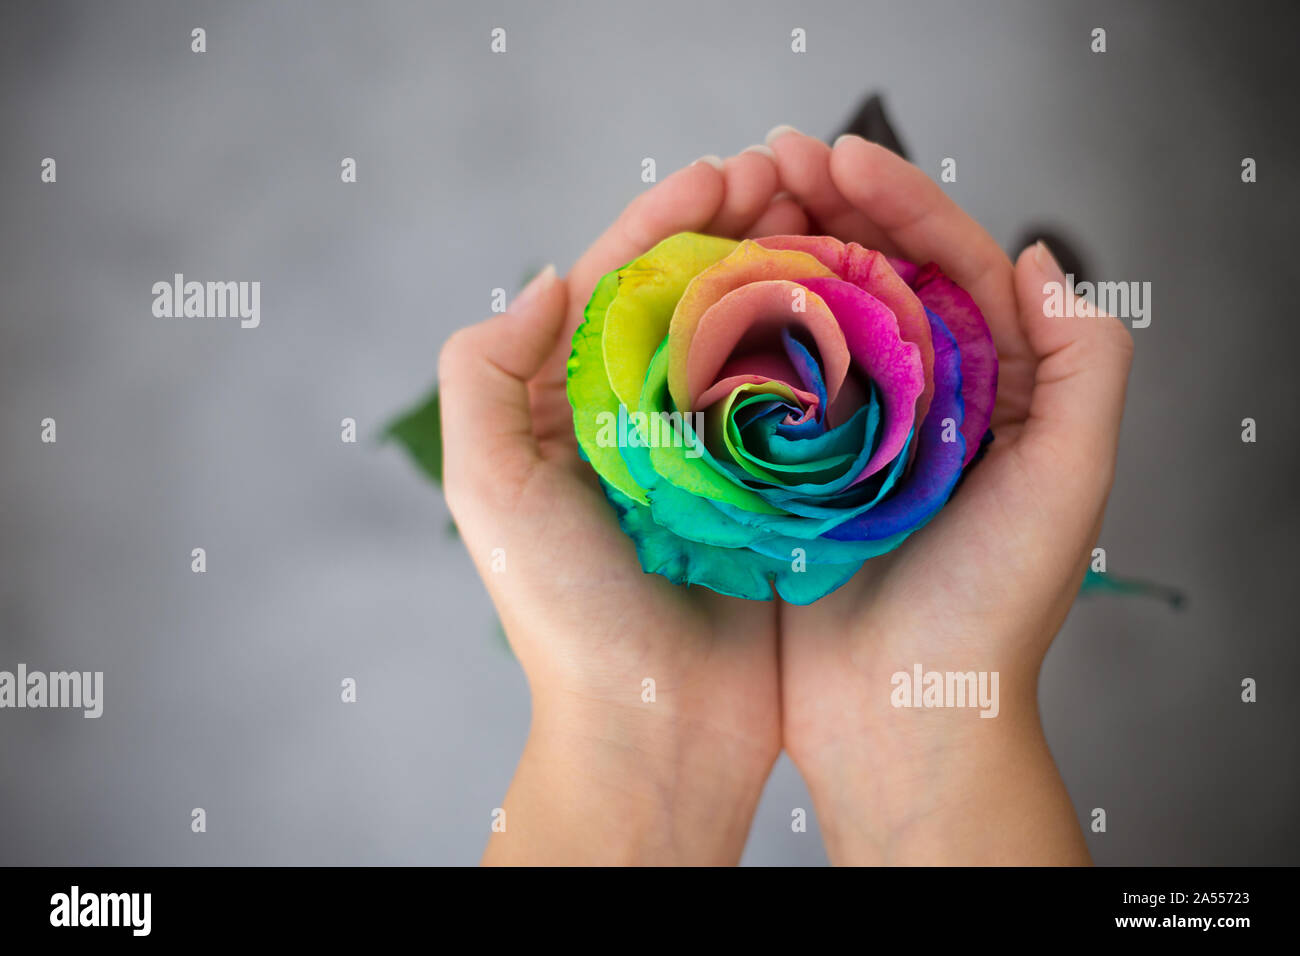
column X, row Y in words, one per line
column 609, row 775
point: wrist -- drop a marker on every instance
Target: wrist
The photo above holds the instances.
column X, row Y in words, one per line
column 600, row 783
column 941, row 785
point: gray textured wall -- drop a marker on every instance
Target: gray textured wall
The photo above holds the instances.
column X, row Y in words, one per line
column 329, row 560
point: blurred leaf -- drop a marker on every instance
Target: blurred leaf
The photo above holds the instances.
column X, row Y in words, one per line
column 419, row 431
column 1064, row 250
column 1094, row 583
column 503, row 642
column 871, row 122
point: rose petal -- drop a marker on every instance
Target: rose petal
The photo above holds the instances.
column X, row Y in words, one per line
column 810, row 374
column 852, row 395
column 725, row 386
column 669, row 463
column 684, row 561
column 906, row 270
column 979, row 357
column 806, row 468
column 748, row 262
column 648, row 291
column 830, row 510
column 814, row 460
column 754, row 316
column 592, row 397
column 938, row 463
column 717, row 434
column 871, row 271
column 893, row 365
column 773, row 365
column 850, row 436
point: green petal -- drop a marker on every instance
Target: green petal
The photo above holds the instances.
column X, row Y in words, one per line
column 753, row 460
column 722, row 431
column 671, row 464
column 845, row 439
column 590, row 393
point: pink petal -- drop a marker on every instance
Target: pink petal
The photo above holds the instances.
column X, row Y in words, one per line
column 748, row 262
column 979, row 358
column 752, row 316
column 894, row 365
column 725, row 386
column 871, row 271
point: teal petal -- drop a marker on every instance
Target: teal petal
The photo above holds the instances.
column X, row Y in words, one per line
column 736, row 572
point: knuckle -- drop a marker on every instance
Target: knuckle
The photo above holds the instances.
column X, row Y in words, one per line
column 1118, row 336
column 455, row 352
column 454, row 495
column 1110, row 334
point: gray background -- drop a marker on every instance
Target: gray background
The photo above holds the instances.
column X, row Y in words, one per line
column 329, row 560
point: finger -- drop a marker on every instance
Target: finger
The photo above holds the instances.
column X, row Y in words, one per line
column 751, row 182
column 1083, row 364
column 684, row 202
column 925, row 225
column 804, row 165
column 784, row 217
column 483, row 375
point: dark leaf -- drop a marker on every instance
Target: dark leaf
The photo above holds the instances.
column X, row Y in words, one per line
column 419, row 431
column 1065, row 251
column 871, row 123
column 1094, row 583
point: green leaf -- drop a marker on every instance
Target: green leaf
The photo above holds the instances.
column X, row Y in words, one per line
column 1094, row 583
column 419, row 431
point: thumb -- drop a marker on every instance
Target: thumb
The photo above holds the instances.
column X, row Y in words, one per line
column 483, row 375
column 1083, row 358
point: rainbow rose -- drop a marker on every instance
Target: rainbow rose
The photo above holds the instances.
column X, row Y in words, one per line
column 771, row 413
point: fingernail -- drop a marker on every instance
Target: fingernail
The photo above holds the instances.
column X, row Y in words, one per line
column 777, row 132
column 761, row 150
column 846, row 137
column 777, row 197
column 714, row 161
column 535, row 285
column 1047, row 263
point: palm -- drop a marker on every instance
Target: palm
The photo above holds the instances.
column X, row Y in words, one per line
column 609, row 626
